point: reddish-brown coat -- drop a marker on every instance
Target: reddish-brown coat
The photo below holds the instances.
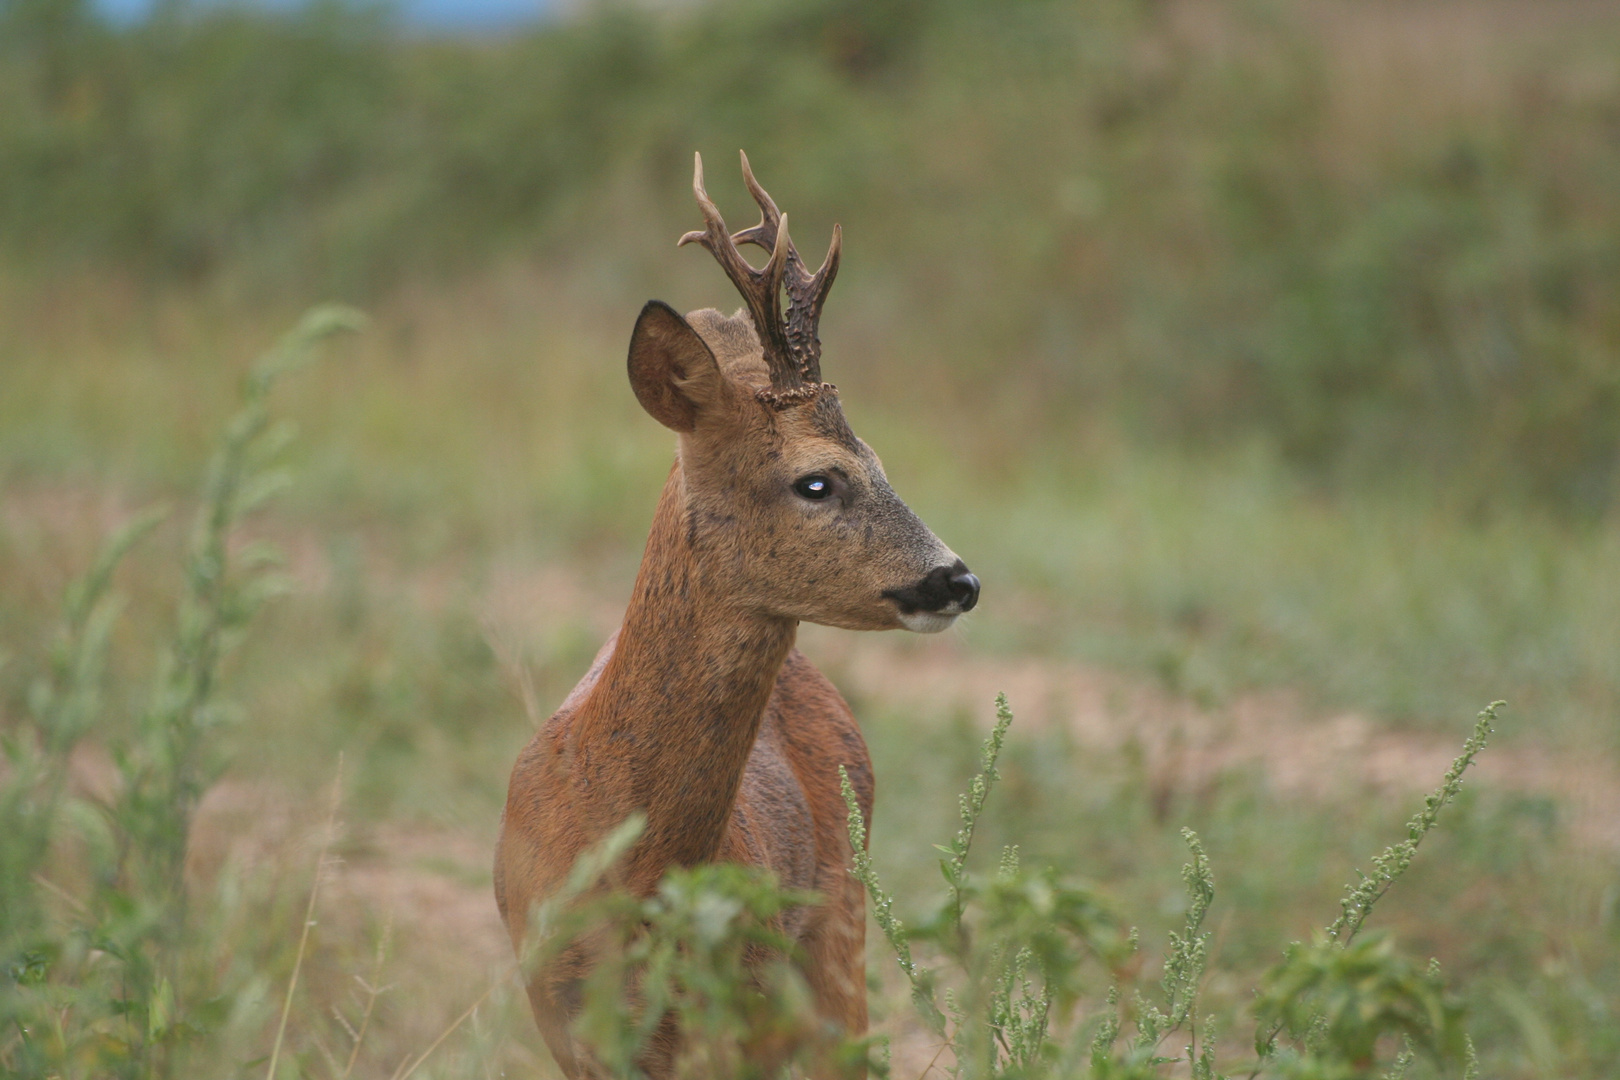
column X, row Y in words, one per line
column 729, row 741
column 699, row 713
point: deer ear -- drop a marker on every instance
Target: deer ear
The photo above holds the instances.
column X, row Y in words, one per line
column 672, row 371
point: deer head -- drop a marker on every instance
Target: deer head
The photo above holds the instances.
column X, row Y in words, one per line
column 789, row 514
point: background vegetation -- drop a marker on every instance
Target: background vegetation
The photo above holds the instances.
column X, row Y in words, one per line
column 1263, row 359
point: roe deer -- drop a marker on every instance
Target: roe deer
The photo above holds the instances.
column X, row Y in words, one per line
column 699, row 712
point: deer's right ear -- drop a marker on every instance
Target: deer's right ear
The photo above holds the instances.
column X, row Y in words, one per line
column 672, row 371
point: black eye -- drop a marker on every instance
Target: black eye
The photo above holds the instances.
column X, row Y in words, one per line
column 814, row 486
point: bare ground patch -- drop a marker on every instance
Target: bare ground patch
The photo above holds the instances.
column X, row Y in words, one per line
column 1188, row 746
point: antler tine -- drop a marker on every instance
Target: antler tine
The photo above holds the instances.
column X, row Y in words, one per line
column 761, row 289
column 770, row 221
column 763, row 234
column 821, row 282
column 757, row 190
column 773, row 274
column 792, row 349
column 807, row 292
column 806, row 295
column 799, row 280
column 711, row 213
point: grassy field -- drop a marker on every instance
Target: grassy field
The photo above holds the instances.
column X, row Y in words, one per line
column 1266, row 506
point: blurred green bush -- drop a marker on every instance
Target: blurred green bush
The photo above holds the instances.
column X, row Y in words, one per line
column 1330, row 225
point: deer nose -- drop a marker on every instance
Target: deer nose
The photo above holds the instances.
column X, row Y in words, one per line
column 944, row 587
column 964, row 587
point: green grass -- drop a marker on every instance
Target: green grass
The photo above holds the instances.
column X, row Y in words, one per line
column 1322, row 225
column 1226, row 575
column 1208, row 578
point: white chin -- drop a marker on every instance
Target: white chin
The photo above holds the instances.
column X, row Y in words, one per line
column 926, row 622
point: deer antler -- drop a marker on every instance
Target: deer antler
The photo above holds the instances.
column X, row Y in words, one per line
column 792, row 349
column 807, row 292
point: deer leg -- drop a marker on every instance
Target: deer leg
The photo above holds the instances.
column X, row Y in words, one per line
column 552, row 1018
column 555, row 1006
column 834, row 951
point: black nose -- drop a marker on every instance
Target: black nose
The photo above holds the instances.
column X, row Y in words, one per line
column 964, row 587
column 944, row 585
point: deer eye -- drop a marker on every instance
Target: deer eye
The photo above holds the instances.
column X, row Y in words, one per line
column 813, row 487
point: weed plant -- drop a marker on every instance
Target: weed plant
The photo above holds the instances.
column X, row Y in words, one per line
column 1013, row 981
column 97, row 980
column 1018, row 946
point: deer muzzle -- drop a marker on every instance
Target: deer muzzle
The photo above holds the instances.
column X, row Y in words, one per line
column 933, row 603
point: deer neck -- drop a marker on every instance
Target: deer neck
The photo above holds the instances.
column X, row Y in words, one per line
column 669, row 726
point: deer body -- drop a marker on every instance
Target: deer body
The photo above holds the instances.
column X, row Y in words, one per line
column 699, row 713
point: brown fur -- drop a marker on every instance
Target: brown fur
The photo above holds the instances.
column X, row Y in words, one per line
column 699, row 712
